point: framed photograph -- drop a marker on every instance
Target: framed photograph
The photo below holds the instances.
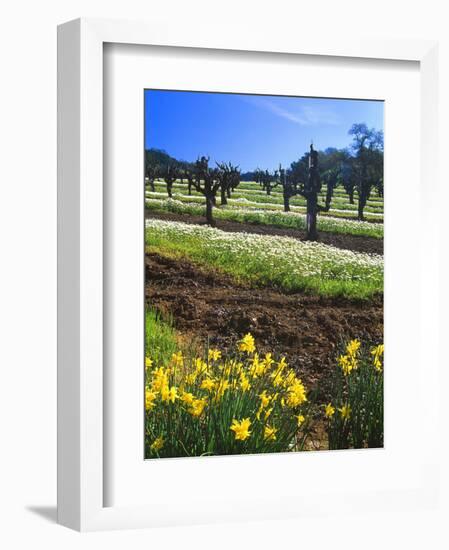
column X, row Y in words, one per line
column 244, row 321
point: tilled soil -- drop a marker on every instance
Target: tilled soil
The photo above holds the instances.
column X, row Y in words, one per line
column 348, row 242
column 308, row 330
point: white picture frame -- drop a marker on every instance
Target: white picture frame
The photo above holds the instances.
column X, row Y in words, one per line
column 81, row 488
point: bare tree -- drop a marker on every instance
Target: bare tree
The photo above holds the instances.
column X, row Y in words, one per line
column 170, row 175
column 289, row 186
column 190, row 177
column 367, row 164
column 310, row 190
column 348, row 178
column 269, row 181
column 207, row 182
column 229, row 177
column 258, row 176
column 152, row 173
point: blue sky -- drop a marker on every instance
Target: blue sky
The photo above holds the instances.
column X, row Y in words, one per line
column 250, row 130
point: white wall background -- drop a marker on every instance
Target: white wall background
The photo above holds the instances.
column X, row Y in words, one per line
column 28, row 266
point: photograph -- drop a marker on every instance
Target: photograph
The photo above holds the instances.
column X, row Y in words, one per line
column 264, row 273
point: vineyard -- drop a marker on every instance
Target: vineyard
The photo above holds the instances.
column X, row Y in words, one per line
column 264, row 306
column 251, row 199
column 216, row 284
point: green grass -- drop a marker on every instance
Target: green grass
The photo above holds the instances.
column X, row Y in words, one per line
column 256, row 205
column 160, row 337
column 290, row 220
column 340, row 201
column 287, row 263
column 251, row 189
column 277, row 198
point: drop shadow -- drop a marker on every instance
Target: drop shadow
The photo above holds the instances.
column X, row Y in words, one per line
column 47, row 512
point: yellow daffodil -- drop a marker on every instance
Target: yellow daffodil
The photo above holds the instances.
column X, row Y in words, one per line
column 329, row 410
column 187, row 398
column 270, row 433
column 157, row 444
column 345, row 412
column 160, row 379
column 277, row 374
column 200, row 366
column 244, row 382
column 347, row 363
column 150, row 397
column 226, row 370
column 246, row 344
column 208, row 384
column 282, row 364
column 148, row 362
column 264, row 399
column 268, row 361
column 377, row 352
column 177, row 359
column 241, row 429
column 235, row 367
column 256, row 367
column 214, row 354
column 290, row 379
column 300, row 419
column 277, row 380
column 296, row 394
column 223, row 385
column 197, row 407
column 169, row 394
column 353, row 347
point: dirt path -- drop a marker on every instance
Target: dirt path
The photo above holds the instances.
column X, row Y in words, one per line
column 307, row 329
column 348, row 242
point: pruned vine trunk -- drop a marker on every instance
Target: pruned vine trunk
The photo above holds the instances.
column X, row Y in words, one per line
column 361, row 207
column 224, row 199
column 209, row 207
column 311, row 224
column 312, row 189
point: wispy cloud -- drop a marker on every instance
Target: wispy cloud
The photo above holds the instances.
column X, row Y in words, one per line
column 304, row 115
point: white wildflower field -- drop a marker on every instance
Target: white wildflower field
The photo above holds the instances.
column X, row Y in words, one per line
column 251, row 204
column 292, row 219
column 290, row 263
column 251, row 194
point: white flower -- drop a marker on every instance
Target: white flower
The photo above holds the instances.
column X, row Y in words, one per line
column 325, row 223
column 300, row 258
